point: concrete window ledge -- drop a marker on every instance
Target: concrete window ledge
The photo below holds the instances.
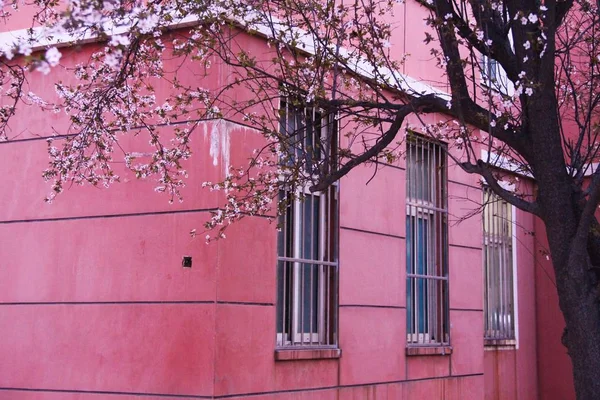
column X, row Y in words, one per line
column 306, row 354
column 429, row 351
column 498, row 344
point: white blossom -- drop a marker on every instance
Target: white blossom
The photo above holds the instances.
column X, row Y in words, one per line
column 533, row 18
column 117, row 40
column 53, row 56
column 25, row 47
column 147, row 25
column 6, row 50
column 43, row 67
column 113, row 58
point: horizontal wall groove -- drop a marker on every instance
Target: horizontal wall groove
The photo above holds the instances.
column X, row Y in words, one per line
column 100, row 303
column 357, row 385
column 35, row 139
column 225, row 396
column 141, row 302
column 371, row 306
column 162, row 125
column 103, row 392
column 466, row 309
column 462, row 246
column 347, row 228
column 124, row 215
column 107, row 216
column 245, row 303
column 387, row 165
column 464, row 184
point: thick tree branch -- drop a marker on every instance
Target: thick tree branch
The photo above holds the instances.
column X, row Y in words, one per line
column 562, row 8
column 424, row 104
column 451, row 53
column 482, row 169
column 495, row 28
column 464, row 108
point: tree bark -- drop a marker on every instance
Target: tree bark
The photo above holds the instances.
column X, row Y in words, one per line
column 578, row 299
column 561, row 211
column 577, row 290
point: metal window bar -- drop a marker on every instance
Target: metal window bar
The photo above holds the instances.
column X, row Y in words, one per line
column 307, row 266
column 307, row 272
column 426, row 233
column 499, row 321
column 305, row 132
column 490, row 69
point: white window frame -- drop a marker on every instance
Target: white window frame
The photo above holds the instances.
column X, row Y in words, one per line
column 325, row 334
column 498, row 79
column 500, row 337
column 297, row 336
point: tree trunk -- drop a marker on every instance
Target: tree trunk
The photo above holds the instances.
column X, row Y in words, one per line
column 578, row 298
column 561, row 212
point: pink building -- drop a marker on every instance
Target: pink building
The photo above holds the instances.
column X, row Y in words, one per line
column 367, row 292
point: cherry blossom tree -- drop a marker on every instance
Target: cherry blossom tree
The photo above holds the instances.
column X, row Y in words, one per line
column 519, row 92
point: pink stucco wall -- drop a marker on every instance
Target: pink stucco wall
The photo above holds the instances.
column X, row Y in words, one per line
column 94, row 301
column 98, row 301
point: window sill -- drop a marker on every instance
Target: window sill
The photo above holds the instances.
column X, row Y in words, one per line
column 306, row 354
column 499, row 343
column 429, row 350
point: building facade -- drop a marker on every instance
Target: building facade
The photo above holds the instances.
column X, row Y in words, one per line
column 393, row 289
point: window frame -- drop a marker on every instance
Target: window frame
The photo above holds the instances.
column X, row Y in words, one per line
column 326, row 258
column 504, row 335
column 432, row 208
column 498, row 80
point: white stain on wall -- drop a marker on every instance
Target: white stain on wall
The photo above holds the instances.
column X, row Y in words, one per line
column 220, row 140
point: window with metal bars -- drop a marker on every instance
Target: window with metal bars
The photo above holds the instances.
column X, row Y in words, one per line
column 498, row 268
column 307, row 263
column 494, row 76
column 491, row 70
column 426, row 243
column 306, row 136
